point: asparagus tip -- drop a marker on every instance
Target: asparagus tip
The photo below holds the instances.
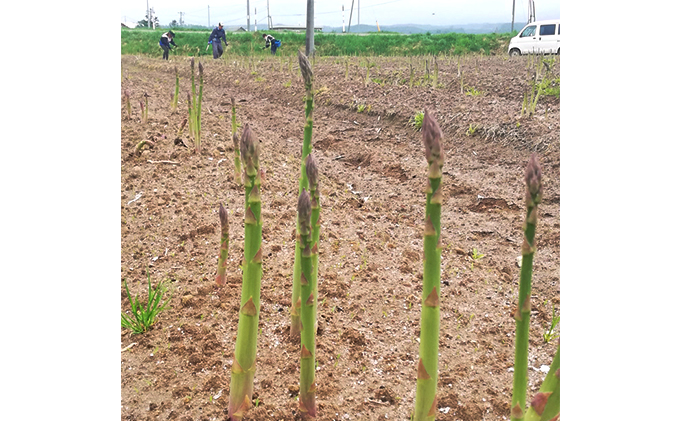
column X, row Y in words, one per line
column 224, row 217
column 305, row 69
column 312, row 170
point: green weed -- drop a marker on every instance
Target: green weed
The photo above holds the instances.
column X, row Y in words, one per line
column 143, row 317
column 417, row 120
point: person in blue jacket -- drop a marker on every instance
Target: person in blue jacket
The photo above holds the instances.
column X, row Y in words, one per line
column 165, row 42
column 215, row 39
column 269, row 40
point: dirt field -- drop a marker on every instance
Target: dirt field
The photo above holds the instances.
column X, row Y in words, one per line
column 372, row 182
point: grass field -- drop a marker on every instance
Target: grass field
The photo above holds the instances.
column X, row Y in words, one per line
column 194, row 43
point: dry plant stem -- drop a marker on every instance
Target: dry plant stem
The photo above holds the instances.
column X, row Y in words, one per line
column 307, row 75
column 534, row 192
column 545, row 405
column 308, row 309
column 221, row 277
column 426, row 390
column 243, row 368
column 234, row 136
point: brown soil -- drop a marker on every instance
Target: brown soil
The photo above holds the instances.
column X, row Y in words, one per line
column 372, row 181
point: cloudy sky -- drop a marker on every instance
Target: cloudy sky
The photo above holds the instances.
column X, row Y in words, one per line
column 329, row 12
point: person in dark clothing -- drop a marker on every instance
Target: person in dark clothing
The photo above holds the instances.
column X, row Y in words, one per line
column 165, row 43
column 269, row 40
column 215, row 39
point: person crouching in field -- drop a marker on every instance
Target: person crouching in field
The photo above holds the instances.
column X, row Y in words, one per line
column 215, row 39
column 271, row 41
column 165, row 42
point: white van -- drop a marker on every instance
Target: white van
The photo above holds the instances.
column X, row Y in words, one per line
column 541, row 37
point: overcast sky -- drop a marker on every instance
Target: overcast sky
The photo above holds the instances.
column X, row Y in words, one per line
column 329, row 12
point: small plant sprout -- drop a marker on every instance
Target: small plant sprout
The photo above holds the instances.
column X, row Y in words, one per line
column 476, row 255
column 243, row 367
column 221, row 277
column 144, row 316
column 546, row 403
column 472, row 129
column 550, row 333
column 308, row 77
column 426, row 401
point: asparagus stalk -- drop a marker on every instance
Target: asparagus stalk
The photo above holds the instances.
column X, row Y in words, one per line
column 533, row 196
column 243, row 368
column 175, row 98
column 221, row 277
column 308, row 76
column 426, row 402
column 308, row 309
column 234, row 136
column 545, row 406
column 191, row 115
column 313, row 178
column 127, row 104
column 146, row 107
column 198, row 108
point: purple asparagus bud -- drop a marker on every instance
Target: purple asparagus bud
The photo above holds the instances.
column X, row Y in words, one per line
column 312, row 171
column 250, row 151
column 224, row 220
column 532, row 178
column 304, row 213
column 305, row 69
column 433, row 149
column 200, row 69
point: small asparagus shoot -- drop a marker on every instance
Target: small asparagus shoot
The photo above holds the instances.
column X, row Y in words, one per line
column 127, row 104
column 198, row 107
column 243, row 367
column 534, row 193
column 426, row 391
column 175, row 98
column 221, row 277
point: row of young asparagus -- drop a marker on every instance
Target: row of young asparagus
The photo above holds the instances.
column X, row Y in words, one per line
column 544, row 406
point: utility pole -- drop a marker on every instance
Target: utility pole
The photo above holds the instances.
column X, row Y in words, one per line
column 269, row 17
column 309, row 44
column 153, row 24
column 148, row 15
column 351, row 9
column 358, row 12
column 256, row 19
column 512, row 25
column 343, row 18
column 208, row 16
column 248, row 14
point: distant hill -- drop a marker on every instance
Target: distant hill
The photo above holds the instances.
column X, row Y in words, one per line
column 473, row 28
